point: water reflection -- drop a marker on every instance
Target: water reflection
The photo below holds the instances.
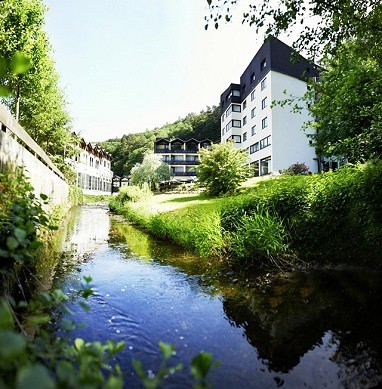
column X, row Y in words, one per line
column 306, row 329
column 335, row 314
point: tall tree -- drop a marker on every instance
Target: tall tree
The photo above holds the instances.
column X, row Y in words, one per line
column 36, row 98
column 348, row 109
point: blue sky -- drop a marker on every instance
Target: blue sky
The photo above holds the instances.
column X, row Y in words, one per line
column 131, row 65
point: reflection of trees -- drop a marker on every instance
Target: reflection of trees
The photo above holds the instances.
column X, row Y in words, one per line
column 289, row 317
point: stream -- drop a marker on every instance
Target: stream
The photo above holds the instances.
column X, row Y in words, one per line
column 305, row 329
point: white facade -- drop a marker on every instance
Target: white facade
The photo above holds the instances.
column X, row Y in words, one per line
column 273, row 136
column 93, row 169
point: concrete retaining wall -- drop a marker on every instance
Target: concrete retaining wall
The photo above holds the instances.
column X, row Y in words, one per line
column 17, row 148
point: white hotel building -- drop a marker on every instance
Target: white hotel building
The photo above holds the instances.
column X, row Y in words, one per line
column 273, row 136
column 93, row 169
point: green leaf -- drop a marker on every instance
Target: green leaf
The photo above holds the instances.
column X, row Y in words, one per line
column 35, row 376
column 43, row 196
column 4, row 91
column 167, row 350
column 78, row 343
column 11, row 344
column 3, row 66
column 20, row 63
column 200, row 365
column 20, row 234
column 12, row 243
column 87, row 279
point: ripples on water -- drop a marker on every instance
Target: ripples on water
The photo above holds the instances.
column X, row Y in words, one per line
column 299, row 330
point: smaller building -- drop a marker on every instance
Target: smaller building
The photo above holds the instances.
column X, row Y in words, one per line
column 181, row 155
column 93, row 169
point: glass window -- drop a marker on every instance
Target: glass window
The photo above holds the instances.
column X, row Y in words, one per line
column 254, row 148
column 236, row 108
column 253, row 78
column 223, row 116
column 265, row 166
column 263, row 64
column 255, row 167
column 244, row 137
column 253, row 130
column 236, row 93
column 253, row 113
column 264, row 123
column 244, row 120
column 236, row 123
column 244, row 104
column 264, row 103
column 265, row 142
column 236, row 138
column 252, row 95
column 263, row 84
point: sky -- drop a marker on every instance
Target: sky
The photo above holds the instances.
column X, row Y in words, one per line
column 131, row 65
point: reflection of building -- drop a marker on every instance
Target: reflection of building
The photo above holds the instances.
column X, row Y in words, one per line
column 92, row 167
column 181, row 155
column 273, row 136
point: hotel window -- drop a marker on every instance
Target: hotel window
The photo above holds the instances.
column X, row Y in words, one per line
column 252, row 95
column 223, row 118
column 264, row 123
column 265, row 142
column 265, row 166
column 236, row 138
column 253, row 78
column 236, row 93
column 244, row 120
column 255, row 166
column 228, row 127
column 253, row 113
column 264, row 103
column 254, row 148
column 236, row 123
column 253, row 130
column 263, row 84
column 236, row 108
column 244, row 137
column 244, row 104
column 263, row 64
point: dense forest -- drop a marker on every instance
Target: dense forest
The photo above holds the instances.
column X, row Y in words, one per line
column 130, row 149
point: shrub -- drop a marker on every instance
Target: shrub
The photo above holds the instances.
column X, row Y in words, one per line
column 297, row 168
column 222, row 169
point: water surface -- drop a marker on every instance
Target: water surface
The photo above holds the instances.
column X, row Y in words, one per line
column 304, row 329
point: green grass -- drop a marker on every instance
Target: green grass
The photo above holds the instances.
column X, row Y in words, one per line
column 330, row 217
column 91, row 199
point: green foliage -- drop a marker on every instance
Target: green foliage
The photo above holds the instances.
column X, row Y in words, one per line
column 200, row 367
column 134, row 193
column 151, row 380
column 75, row 195
column 334, row 22
column 328, row 217
column 21, row 216
column 50, row 362
column 28, row 77
column 349, row 105
column 259, row 237
column 151, row 171
column 131, row 148
column 297, row 168
column 222, row 168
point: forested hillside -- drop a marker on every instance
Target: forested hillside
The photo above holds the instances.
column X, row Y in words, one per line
column 129, row 149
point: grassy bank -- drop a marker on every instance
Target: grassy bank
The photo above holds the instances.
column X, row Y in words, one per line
column 333, row 217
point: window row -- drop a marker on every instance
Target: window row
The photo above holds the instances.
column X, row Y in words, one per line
column 260, row 145
column 262, row 167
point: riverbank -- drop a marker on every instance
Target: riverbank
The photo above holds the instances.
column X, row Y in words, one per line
column 333, row 217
